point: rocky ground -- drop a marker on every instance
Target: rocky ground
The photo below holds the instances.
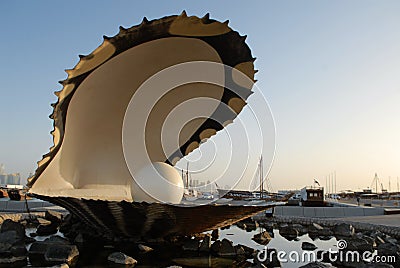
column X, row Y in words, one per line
column 17, row 248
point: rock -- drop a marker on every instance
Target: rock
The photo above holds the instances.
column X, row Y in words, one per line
column 226, row 249
column 325, row 232
column 61, row 253
column 203, row 261
column 270, row 260
column 19, row 250
column 301, row 229
column 378, row 265
column 326, row 256
column 359, row 244
column 262, row 238
column 369, row 239
column 350, row 263
column 308, row 246
column 53, row 249
column 63, row 265
column 13, row 253
column 43, row 221
column 379, row 240
column 316, row 230
column 199, row 236
column 121, row 258
column 324, row 238
column 247, row 224
column 205, row 245
column 38, row 249
column 50, row 229
column 283, row 225
column 317, row 265
column 317, row 226
column 388, row 249
column 244, row 250
column 12, row 260
column 251, row 226
column 288, row 232
column 391, row 240
column 240, row 251
column 374, row 234
column 33, row 234
column 215, row 234
column 258, row 265
column 313, row 236
column 223, row 248
column 343, row 230
column 29, row 240
column 9, row 225
column 144, row 248
column 241, row 225
column 191, row 245
column 9, row 238
column 56, row 239
column 268, row 225
column 53, row 217
column 215, row 246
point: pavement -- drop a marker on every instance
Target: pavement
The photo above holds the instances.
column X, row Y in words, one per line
column 10, row 206
column 373, row 202
column 386, row 220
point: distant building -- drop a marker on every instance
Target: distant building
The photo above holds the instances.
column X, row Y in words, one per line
column 2, row 169
column 10, row 179
column 14, row 178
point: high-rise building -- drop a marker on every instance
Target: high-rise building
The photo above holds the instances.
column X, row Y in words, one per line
column 3, row 179
column 2, row 169
column 14, row 178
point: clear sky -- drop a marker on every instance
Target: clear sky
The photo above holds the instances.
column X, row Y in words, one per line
column 330, row 71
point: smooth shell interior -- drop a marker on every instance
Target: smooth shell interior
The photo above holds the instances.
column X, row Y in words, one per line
column 91, row 162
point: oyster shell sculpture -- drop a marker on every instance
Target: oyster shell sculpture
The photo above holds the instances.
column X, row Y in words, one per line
column 89, row 169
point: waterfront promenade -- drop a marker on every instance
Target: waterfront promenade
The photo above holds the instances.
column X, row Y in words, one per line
column 384, row 220
column 10, row 206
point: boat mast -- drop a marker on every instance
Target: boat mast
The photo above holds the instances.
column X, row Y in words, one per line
column 335, row 185
column 183, row 177
column 187, row 174
column 261, row 178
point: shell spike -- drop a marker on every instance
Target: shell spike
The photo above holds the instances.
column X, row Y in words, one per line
column 145, row 20
column 81, row 56
column 105, row 37
column 122, row 29
column 183, row 14
column 206, row 18
column 226, row 22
